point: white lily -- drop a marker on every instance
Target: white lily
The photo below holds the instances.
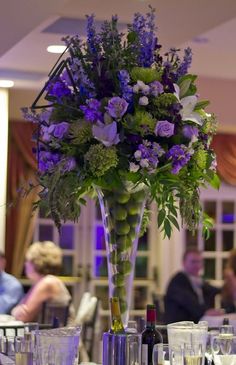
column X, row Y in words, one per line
column 188, row 104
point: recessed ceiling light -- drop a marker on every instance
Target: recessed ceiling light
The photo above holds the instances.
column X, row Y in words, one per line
column 6, row 83
column 201, row 39
column 56, row 49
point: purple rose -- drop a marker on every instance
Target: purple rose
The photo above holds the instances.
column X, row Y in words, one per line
column 117, row 107
column 190, row 132
column 60, row 129
column 164, row 128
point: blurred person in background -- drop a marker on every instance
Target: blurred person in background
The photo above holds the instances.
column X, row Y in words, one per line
column 228, row 295
column 43, row 262
column 11, row 290
column 188, row 296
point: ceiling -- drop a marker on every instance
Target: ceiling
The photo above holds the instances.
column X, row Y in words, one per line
column 27, row 27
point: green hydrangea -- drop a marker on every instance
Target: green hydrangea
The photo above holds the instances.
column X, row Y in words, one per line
column 210, row 124
column 142, row 118
column 100, row 159
column 80, row 132
column 146, row 75
column 200, row 157
column 162, row 103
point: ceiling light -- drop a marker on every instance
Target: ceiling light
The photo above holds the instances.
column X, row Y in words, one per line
column 6, row 83
column 201, row 39
column 56, row 49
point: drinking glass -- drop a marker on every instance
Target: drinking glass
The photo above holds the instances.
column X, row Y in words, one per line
column 193, row 354
column 224, row 349
column 209, row 348
column 160, row 354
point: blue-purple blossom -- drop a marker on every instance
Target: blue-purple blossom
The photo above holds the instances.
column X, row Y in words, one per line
column 147, row 41
column 59, row 130
column 179, row 155
column 126, row 89
column 147, row 156
column 80, row 77
column 69, row 164
column 156, row 88
column 93, row 40
column 186, row 63
column 106, row 133
column 91, row 110
column 58, row 88
column 47, row 161
column 117, row 107
column 190, row 132
column 164, row 128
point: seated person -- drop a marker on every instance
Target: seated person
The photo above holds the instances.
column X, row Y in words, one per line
column 43, row 262
column 229, row 288
column 11, row 290
column 188, row 297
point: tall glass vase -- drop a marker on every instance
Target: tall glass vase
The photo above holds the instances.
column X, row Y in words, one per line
column 122, row 212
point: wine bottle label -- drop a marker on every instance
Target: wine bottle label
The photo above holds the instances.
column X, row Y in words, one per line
column 144, row 354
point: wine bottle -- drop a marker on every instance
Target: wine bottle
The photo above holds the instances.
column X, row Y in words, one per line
column 116, row 321
column 150, row 335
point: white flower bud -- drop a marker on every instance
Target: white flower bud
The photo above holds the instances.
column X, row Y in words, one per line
column 143, row 100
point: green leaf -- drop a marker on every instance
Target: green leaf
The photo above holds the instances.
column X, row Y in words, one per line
column 202, row 104
column 161, row 217
column 167, row 228
column 215, row 181
column 173, row 221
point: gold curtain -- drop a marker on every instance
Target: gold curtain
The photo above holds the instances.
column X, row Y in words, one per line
column 224, row 146
column 21, row 170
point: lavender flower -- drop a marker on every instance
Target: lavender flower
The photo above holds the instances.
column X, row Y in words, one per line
column 117, row 107
column 126, row 89
column 156, row 88
column 60, row 129
column 107, row 134
column 91, row 110
column 93, row 41
column 147, row 41
column 69, row 164
column 164, row 129
column 179, row 155
column 147, row 156
column 190, row 132
column 58, row 88
column 47, row 161
column 186, row 63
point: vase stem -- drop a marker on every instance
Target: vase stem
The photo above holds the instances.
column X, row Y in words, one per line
column 122, row 213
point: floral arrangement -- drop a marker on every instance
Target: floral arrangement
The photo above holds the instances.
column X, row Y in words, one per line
column 118, row 111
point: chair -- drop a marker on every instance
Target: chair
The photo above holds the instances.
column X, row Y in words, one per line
column 54, row 314
column 87, row 316
column 158, row 301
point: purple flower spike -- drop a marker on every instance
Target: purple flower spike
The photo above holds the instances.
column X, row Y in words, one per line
column 117, row 107
column 164, row 128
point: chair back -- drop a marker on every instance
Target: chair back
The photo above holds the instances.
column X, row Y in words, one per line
column 87, row 316
column 55, row 314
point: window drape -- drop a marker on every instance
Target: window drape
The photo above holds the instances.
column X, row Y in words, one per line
column 20, row 219
column 224, row 146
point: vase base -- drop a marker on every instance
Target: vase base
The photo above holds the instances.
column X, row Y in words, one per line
column 121, row 349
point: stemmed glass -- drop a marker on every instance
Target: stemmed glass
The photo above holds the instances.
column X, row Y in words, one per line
column 211, row 345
